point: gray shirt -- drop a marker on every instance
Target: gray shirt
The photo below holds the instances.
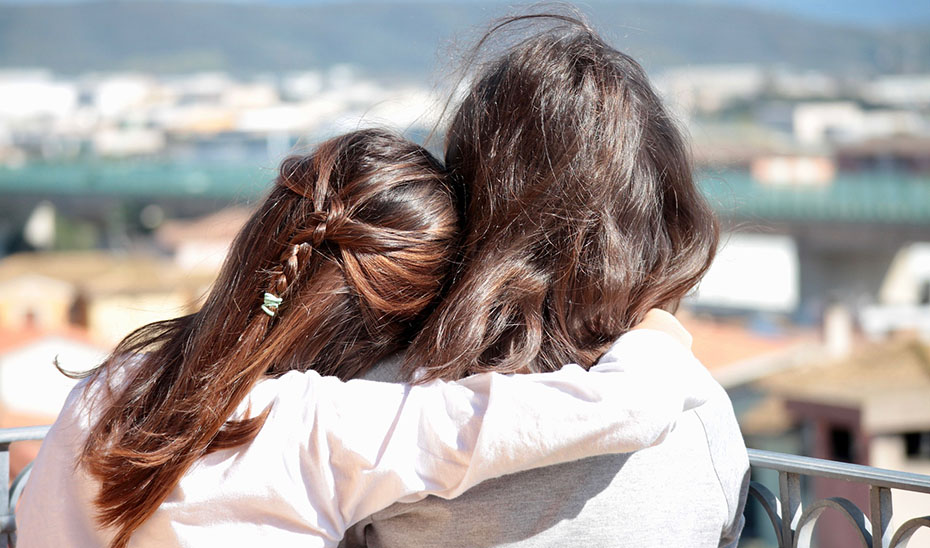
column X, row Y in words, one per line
column 688, row 491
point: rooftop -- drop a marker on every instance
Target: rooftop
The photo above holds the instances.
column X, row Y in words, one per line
column 14, row 338
column 868, row 197
column 99, row 272
column 889, row 381
column 885, row 198
column 137, row 178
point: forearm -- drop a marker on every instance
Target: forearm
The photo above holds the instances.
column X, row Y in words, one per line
column 629, row 401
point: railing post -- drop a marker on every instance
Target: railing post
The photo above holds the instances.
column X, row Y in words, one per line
column 875, row 530
column 8, row 503
column 789, row 492
column 7, row 520
column 880, row 510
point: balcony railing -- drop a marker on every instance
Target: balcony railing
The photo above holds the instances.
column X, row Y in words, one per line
column 793, row 524
column 9, row 493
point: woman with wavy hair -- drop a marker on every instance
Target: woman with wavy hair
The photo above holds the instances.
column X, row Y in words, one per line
column 581, row 215
column 222, row 428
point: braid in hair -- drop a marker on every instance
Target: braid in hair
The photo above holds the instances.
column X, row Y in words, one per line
column 294, row 257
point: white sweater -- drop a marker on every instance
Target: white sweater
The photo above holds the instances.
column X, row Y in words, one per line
column 332, row 452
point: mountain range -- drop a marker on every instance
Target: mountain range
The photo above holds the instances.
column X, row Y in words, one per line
column 416, row 38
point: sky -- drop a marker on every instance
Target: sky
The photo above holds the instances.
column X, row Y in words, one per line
column 859, row 12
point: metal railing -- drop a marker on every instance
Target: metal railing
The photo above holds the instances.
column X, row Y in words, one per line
column 9, row 493
column 794, row 525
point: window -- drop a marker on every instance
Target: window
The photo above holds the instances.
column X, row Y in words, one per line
column 841, row 444
column 917, row 445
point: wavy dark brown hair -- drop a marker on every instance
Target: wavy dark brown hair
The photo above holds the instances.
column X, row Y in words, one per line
column 355, row 239
column 582, row 212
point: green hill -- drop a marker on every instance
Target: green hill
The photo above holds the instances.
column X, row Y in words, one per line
column 410, row 38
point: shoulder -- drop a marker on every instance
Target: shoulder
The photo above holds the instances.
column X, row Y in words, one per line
column 57, row 486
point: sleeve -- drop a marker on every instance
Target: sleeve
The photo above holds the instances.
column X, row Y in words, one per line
column 736, row 519
column 372, row 444
column 730, row 460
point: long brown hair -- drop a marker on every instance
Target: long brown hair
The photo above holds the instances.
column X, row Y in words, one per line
column 582, row 213
column 355, row 239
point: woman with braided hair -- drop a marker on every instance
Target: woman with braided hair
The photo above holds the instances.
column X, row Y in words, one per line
column 233, row 427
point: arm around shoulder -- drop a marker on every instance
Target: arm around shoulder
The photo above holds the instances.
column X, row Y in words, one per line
column 380, row 443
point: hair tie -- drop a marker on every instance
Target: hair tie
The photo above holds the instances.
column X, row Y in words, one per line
column 271, row 303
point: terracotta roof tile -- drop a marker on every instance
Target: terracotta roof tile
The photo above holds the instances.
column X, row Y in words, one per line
column 719, row 344
column 12, row 339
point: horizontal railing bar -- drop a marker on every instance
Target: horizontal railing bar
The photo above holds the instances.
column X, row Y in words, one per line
column 810, row 466
column 23, row 433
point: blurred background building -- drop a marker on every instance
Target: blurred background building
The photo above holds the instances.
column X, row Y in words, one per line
column 135, row 137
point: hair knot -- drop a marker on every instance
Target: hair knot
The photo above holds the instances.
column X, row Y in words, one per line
column 324, row 226
column 318, row 233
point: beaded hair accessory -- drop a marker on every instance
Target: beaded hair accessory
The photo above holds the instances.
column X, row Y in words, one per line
column 271, row 303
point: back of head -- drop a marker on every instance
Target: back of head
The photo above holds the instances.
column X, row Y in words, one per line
column 582, row 213
column 331, row 273
column 356, row 240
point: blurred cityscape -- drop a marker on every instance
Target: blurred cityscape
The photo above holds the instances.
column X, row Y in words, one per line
column 121, row 190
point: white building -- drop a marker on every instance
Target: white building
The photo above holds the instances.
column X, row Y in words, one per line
column 820, row 123
column 26, row 95
column 709, row 88
column 752, row 272
column 120, row 142
column 118, row 95
column 904, row 298
column 900, row 90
